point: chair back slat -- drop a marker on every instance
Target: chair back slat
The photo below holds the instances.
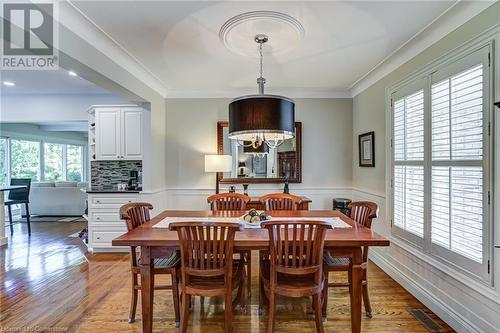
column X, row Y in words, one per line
column 363, row 212
column 206, row 248
column 228, row 201
column 296, row 247
column 135, row 214
column 21, row 194
column 280, row 201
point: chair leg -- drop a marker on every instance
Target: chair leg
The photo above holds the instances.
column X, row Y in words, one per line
column 175, row 296
column 133, row 301
column 271, row 311
column 185, row 303
column 9, row 208
column 317, row 313
column 249, row 273
column 324, row 304
column 263, row 300
column 366, row 300
column 28, row 219
column 228, row 312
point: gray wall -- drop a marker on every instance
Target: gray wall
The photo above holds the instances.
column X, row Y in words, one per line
column 467, row 305
column 326, row 141
column 30, row 131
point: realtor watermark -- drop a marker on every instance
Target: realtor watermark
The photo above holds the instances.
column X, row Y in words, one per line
column 30, row 36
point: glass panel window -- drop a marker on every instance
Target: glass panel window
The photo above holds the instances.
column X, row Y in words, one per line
column 74, row 164
column 3, row 161
column 25, row 157
column 53, row 155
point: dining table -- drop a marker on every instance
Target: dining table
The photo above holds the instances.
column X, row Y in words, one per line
column 156, row 242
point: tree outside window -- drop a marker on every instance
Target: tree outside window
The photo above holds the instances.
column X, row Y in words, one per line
column 25, row 159
column 74, row 163
column 53, row 155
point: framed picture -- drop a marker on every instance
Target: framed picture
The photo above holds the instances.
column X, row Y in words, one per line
column 367, row 149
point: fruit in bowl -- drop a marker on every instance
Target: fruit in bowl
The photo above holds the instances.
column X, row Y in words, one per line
column 254, row 216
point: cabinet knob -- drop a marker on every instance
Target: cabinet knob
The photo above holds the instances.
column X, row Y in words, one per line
column 98, row 237
column 98, row 201
column 97, row 218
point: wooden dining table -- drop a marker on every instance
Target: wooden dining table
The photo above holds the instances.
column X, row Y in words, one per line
column 159, row 242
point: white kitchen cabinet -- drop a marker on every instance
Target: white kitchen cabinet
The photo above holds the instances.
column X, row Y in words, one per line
column 104, row 223
column 118, row 133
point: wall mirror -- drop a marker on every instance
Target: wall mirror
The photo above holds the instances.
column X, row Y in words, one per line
column 263, row 164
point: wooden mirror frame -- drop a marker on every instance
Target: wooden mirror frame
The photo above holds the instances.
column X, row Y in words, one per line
column 298, row 149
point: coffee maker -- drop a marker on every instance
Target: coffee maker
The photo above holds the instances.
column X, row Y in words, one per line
column 133, row 180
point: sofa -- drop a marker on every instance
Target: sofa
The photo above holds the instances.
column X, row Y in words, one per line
column 57, row 199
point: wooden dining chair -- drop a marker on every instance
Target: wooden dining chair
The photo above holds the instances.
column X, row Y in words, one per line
column 19, row 197
column 280, row 201
column 231, row 202
column 363, row 213
column 136, row 214
column 228, row 201
column 295, row 264
column 207, row 265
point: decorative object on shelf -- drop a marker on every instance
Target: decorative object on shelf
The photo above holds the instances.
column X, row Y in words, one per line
column 245, row 189
column 218, row 164
column 241, row 169
column 366, row 143
column 261, row 118
column 232, row 189
column 286, row 189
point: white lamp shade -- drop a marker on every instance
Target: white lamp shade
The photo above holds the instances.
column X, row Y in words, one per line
column 218, row 163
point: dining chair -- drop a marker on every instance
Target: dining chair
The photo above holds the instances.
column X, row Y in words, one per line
column 294, row 267
column 18, row 197
column 207, row 265
column 280, row 201
column 232, row 202
column 136, row 214
column 363, row 213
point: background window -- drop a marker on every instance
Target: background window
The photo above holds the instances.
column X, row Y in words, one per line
column 53, row 162
column 25, row 159
column 3, row 161
column 74, row 163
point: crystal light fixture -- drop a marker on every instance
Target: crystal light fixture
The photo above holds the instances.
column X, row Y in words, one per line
column 261, row 118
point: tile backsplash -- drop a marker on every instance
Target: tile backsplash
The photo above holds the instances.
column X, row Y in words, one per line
column 111, row 173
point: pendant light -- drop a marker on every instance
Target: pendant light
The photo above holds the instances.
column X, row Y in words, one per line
column 261, row 118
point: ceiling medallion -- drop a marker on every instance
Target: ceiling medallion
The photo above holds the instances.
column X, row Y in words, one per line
column 284, row 31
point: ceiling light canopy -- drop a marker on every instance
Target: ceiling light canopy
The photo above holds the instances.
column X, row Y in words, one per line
column 261, row 118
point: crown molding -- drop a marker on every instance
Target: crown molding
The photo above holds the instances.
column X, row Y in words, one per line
column 232, row 93
column 79, row 23
column 451, row 19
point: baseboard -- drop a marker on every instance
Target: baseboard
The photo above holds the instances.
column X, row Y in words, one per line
column 4, row 241
column 442, row 310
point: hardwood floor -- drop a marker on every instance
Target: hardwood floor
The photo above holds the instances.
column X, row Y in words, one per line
column 50, row 283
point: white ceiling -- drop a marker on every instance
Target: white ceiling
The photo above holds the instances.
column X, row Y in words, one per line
column 178, row 42
column 52, row 82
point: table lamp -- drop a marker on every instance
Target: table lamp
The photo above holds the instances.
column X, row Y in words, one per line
column 218, row 163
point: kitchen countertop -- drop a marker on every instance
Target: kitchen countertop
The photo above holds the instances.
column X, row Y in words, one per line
column 108, row 190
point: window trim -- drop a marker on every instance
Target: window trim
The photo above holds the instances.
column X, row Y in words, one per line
column 486, row 39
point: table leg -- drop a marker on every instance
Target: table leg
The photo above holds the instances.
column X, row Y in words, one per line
column 3, row 238
column 356, row 287
column 147, row 289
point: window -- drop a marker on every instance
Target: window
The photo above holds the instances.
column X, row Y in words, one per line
column 3, row 161
column 440, row 165
column 25, row 159
column 53, row 166
column 40, row 160
column 74, row 164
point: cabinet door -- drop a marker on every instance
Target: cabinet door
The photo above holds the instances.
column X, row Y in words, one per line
column 108, row 133
column 131, row 134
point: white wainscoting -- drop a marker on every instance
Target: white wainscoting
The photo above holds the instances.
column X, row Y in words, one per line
column 467, row 307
